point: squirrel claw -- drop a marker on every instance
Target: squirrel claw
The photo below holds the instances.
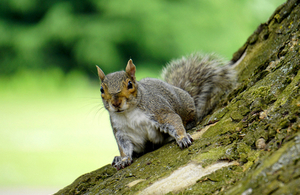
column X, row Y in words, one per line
column 185, row 142
column 190, row 137
column 121, row 163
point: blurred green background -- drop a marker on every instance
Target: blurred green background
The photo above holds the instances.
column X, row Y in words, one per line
column 52, row 127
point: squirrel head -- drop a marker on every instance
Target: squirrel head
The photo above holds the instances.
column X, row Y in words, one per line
column 119, row 89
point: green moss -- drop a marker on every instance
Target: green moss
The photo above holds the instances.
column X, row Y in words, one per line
column 220, row 128
column 273, row 170
column 236, row 116
column 216, row 116
column 261, row 91
column 211, row 156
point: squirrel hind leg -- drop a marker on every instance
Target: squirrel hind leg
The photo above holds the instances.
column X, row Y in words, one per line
column 191, row 125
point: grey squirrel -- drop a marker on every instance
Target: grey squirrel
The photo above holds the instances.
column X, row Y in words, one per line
column 151, row 110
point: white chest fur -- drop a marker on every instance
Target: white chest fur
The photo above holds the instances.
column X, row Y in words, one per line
column 137, row 127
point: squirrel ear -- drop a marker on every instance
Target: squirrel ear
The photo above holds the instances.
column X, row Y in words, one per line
column 130, row 69
column 100, row 73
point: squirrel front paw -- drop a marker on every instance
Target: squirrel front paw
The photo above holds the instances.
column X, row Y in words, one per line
column 185, row 142
column 121, row 163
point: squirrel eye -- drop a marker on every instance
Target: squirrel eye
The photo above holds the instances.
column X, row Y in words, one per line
column 129, row 86
column 101, row 90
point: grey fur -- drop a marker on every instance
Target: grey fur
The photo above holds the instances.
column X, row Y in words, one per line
column 205, row 77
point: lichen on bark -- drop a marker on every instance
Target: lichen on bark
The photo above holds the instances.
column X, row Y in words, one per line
column 257, row 126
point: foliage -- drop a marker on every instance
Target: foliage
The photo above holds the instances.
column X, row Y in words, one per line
column 74, row 34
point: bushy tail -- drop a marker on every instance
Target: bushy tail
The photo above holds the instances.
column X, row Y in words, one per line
column 205, row 77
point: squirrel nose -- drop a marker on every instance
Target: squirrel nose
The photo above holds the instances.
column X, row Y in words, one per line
column 116, row 103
